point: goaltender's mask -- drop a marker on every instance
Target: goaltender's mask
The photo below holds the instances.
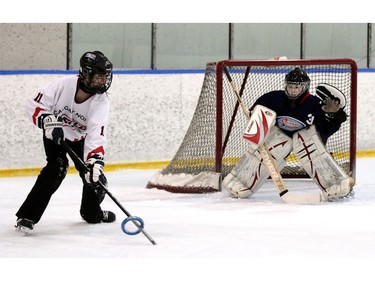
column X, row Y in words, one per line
column 297, row 82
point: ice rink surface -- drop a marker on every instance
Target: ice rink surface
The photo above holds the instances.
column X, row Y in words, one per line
column 199, row 236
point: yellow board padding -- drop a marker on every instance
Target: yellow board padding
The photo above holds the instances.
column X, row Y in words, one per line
column 365, row 153
column 151, row 165
column 25, row 172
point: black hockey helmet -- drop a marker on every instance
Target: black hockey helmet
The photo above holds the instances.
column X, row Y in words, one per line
column 93, row 65
column 297, row 77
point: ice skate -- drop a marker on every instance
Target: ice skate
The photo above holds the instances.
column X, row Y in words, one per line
column 108, row 216
column 24, row 226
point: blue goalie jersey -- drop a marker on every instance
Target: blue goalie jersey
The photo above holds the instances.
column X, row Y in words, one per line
column 294, row 115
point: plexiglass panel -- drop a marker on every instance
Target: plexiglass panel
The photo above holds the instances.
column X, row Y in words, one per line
column 266, row 40
column 337, row 40
column 181, row 45
column 127, row 45
column 372, row 44
column 190, row 45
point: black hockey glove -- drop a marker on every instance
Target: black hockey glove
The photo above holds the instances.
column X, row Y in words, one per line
column 336, row 117
column 95, row 175
column 53, row 127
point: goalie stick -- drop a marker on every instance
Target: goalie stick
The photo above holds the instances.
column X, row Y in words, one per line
column 79, row 161
column 269, row 162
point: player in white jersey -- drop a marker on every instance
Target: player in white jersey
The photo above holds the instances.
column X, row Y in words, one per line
column 75, row 110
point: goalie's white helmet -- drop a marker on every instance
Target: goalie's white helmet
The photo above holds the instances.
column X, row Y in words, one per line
column 297, row 82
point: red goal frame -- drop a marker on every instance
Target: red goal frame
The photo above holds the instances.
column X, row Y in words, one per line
column 310, row 62
column 214, row 143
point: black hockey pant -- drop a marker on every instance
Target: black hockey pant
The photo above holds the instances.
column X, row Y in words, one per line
column 50, row 179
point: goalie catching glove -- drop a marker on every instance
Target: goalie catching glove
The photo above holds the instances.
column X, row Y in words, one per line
column 53, row 127
column 333, row 102
column 95, row 174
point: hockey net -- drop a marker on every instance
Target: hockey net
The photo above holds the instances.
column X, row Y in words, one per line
column 213, row 143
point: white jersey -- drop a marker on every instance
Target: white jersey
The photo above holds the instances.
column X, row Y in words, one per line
column 87, row 120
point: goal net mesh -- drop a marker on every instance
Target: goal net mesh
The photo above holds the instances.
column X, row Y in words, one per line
column 214, row 142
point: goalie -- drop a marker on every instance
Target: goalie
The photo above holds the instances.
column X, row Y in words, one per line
column 302, row 125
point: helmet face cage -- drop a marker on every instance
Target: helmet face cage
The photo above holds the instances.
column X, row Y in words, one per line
column 297, row 77
column 95, row 72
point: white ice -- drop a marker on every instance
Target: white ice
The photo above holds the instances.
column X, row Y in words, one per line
column 198, row 236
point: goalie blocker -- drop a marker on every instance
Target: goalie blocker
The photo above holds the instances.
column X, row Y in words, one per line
column 250, row 172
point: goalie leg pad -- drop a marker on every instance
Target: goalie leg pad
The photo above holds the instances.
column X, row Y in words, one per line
column 320, row 165
column 250, row 173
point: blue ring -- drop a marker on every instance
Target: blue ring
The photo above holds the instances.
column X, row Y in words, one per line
column 132, row 218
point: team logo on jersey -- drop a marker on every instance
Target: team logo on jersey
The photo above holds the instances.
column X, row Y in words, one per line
column 73, row 124
column 289, row 123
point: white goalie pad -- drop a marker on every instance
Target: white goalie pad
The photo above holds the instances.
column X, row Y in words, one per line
column 320, row 165
column 324, row 91
column 250, row 173
column 258, row 128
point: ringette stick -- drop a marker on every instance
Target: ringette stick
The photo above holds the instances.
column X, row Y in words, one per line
column 79, row 161
column 270, row 163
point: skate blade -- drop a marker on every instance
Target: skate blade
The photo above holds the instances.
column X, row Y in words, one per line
column 23, row 230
